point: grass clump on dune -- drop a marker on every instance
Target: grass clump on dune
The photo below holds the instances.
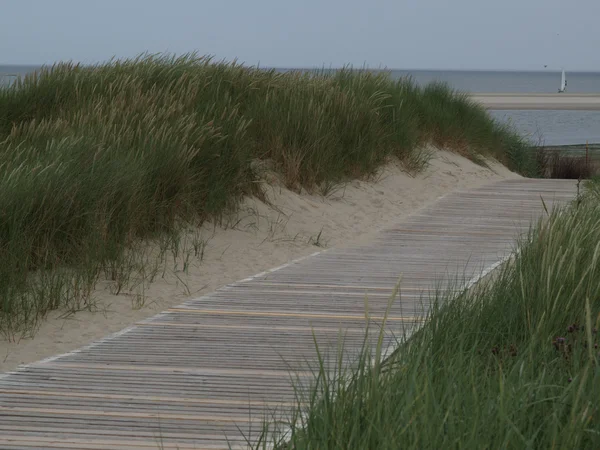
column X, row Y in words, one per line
column 95, row 159
column 514, row 364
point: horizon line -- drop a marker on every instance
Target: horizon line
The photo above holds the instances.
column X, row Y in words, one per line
column 351, row 66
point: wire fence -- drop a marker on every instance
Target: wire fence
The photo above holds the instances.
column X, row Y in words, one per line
column 568, row 161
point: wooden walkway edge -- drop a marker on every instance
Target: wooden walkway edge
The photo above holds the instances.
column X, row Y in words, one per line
column 204, row 374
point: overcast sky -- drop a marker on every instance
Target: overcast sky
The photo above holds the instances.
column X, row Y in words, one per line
column 409, row 34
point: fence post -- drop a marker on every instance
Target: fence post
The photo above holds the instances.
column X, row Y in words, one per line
column 587, row 156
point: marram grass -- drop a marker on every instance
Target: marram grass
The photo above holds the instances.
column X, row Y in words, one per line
column 95, row 159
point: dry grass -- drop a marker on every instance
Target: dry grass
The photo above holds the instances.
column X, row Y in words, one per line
column 556, row 164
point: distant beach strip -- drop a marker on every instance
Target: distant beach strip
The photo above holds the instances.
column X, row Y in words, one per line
column 582, row 102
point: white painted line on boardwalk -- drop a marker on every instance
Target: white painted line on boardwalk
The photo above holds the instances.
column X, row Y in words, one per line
column 266, row 272
column 473, row 281
column 253, row 277
column 71, row 353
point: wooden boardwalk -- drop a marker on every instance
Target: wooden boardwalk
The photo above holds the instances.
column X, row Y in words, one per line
column 212, row 367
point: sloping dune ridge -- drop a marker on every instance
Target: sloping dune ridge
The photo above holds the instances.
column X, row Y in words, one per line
column 260, row 236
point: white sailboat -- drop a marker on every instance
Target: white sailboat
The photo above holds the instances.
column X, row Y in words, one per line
column 563, row 82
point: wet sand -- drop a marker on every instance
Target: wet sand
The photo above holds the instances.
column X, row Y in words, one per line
column 565, row 101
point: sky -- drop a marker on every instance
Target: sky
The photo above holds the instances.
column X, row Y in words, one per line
column 401, row 34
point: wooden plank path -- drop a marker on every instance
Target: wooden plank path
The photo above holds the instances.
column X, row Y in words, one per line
column 201, row 374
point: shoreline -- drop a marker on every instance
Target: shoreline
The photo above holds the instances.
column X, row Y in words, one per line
column 535, row 101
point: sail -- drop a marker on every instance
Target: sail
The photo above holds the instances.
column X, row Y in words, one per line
column 563, row 81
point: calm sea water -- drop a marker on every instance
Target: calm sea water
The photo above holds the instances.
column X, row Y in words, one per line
column 553, row 127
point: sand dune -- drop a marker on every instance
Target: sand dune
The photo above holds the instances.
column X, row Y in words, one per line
column 257, row 238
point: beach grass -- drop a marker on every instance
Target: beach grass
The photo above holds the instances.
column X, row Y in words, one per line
column 96, row 159
column 512, row 364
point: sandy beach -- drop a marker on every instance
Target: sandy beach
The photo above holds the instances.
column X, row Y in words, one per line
column 565, row 101
column 258, row 238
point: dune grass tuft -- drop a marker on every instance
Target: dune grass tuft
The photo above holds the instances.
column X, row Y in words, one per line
column 94, row 159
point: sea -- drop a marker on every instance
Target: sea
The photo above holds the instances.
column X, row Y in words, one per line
column 550, row 127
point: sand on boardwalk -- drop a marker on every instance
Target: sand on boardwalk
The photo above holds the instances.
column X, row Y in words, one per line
column 263, row 237
column 564, row 101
